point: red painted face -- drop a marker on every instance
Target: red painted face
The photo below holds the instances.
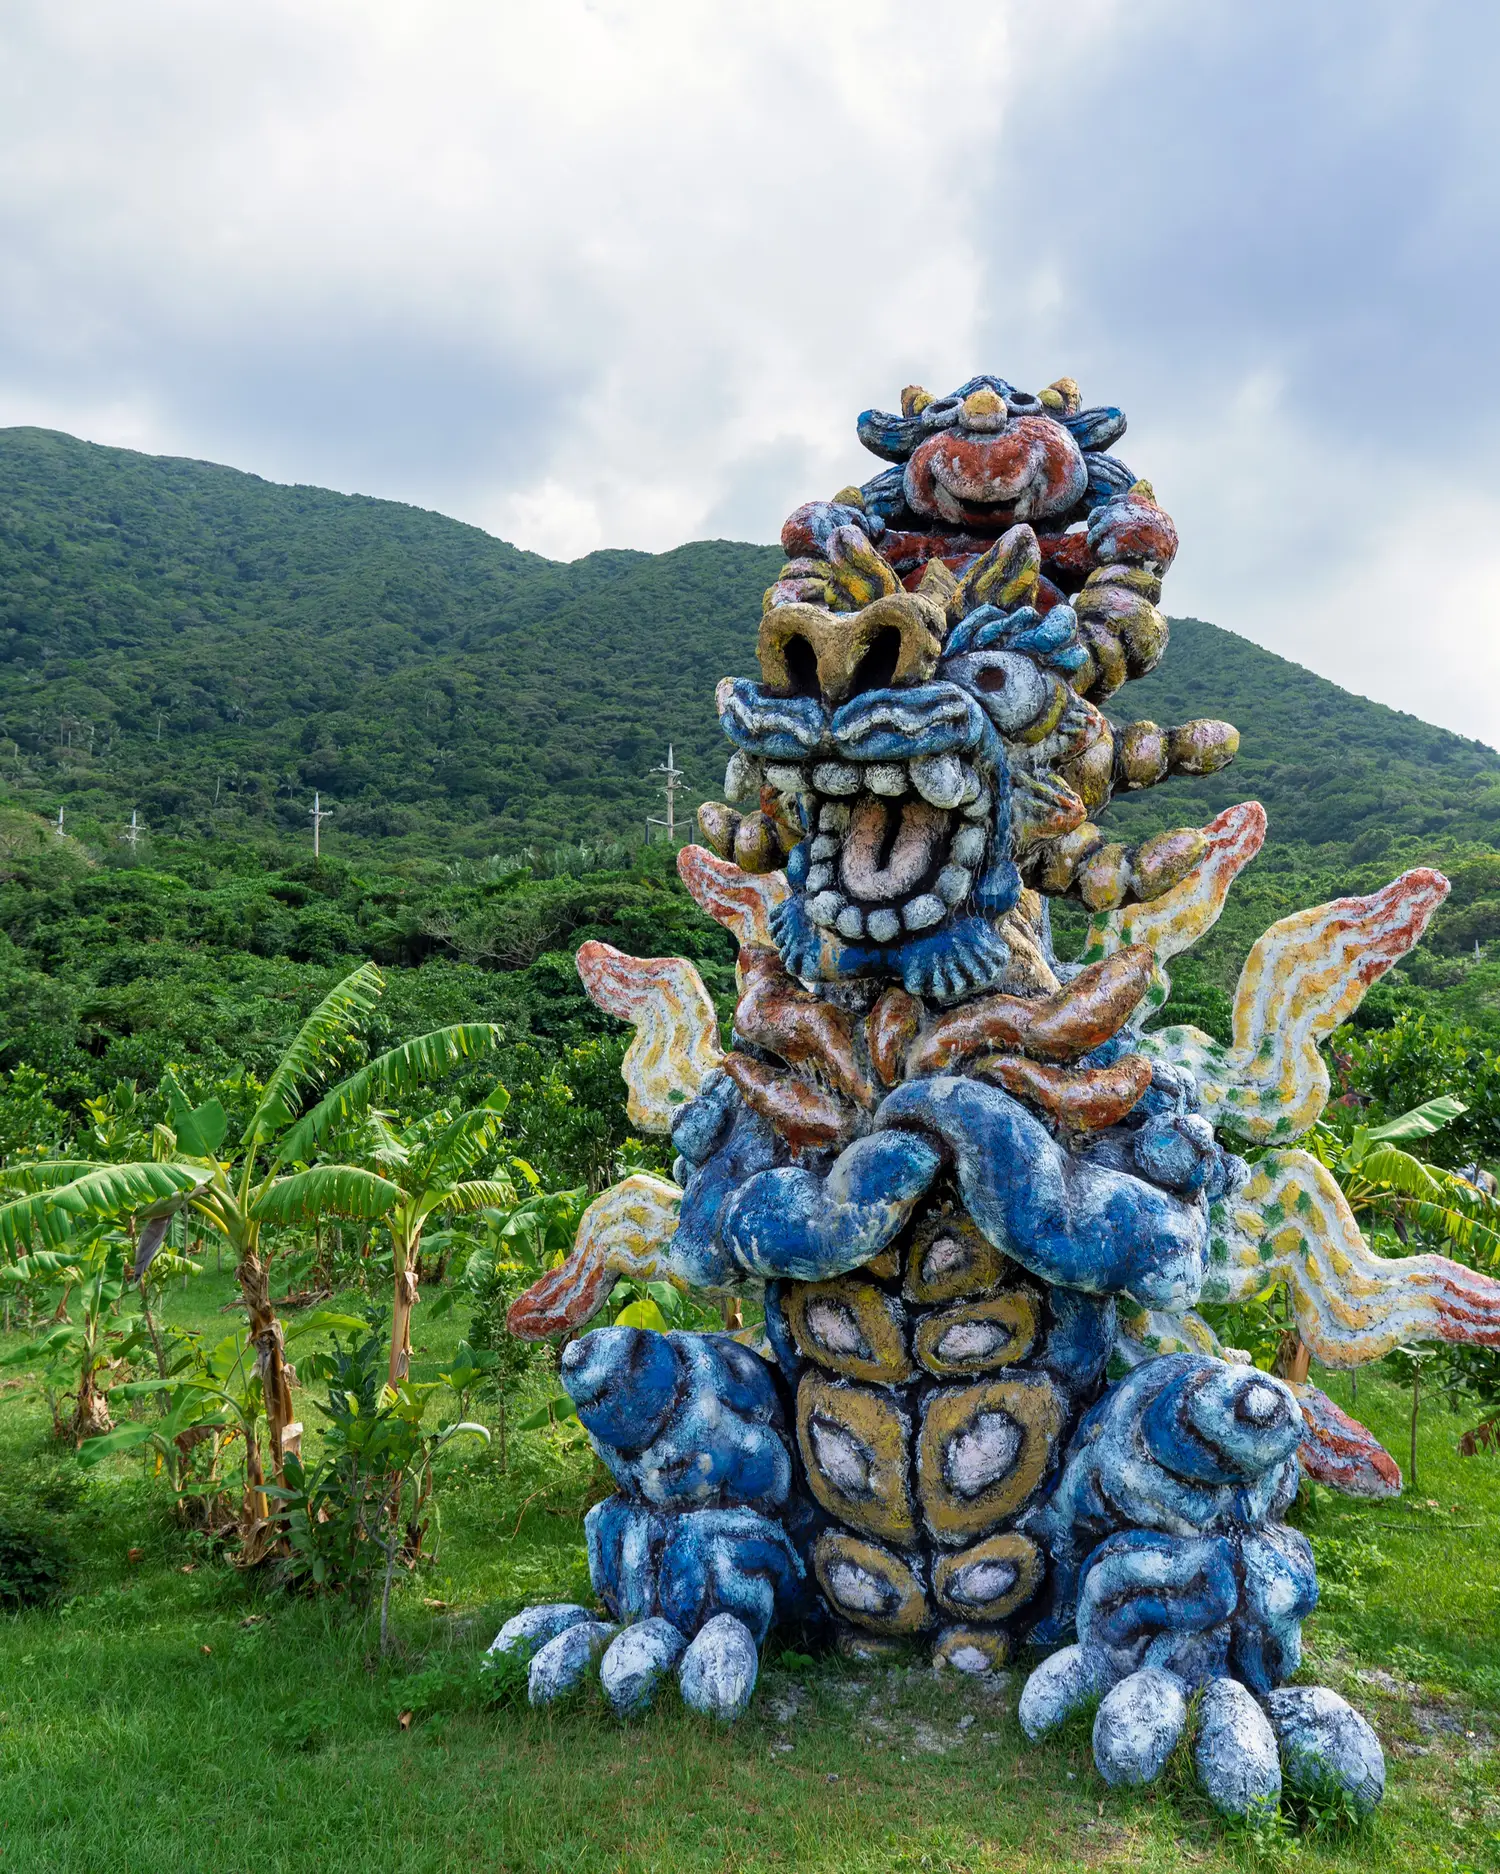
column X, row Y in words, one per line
column 1029, row 470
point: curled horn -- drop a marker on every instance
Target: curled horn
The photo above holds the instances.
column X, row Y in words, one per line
column 890, row 437
column 1095, row 429
column 1108, row 478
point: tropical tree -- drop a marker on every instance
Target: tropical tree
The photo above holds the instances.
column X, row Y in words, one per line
column 91, row 1272
column 265, row 1179
column 1391, row 1185
column 430, row 1160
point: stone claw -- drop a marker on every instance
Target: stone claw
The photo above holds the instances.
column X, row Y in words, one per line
column 1244, row 1748
column 716, row 1670
column 1324, row 1740
column 639, row 1658
column 719, row 1669
column 564, row 1662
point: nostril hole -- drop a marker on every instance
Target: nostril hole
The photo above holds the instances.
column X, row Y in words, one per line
column 992, row 679
column 877, row 667
column 801, row 666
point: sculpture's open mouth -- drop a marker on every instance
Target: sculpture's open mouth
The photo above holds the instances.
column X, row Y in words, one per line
column 899, row 794
column 896, row 845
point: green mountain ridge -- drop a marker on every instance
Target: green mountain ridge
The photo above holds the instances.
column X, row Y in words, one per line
column 208, row 648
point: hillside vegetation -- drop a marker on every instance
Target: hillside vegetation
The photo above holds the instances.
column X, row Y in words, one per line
column 208, row 648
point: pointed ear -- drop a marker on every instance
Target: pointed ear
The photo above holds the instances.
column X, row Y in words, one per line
column 937, row 583
column 1063, row 398
column 1006, row 575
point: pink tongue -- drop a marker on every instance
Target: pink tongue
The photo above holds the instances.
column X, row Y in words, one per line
column 910, row 856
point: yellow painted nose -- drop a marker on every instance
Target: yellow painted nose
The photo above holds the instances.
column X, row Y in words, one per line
column 984, row 409
column 807, row 651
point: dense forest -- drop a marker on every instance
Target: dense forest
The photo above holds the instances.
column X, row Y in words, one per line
column 205, row 649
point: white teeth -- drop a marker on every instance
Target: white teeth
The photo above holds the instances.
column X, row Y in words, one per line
column 954, row 884
column 940, row 780
column 943, row 782
column 742, row 780
column 922, row 913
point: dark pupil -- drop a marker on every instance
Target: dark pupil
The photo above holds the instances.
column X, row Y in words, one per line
column 801, row 667
column 878, row 665
column 992, row 679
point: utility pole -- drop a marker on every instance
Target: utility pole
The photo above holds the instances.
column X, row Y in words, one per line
column 132, row 833
column 671, row 785
column 319, row 814
column 59, row 823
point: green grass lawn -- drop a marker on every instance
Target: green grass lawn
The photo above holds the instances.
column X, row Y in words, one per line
column 172, row 1714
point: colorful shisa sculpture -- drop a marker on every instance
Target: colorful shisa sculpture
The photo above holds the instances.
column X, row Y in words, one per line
column 980, row 1201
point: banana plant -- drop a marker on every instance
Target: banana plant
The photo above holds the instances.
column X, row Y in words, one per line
column 430, row 1160
column 209, row 1394
column 1380, row 1178
column 264, row 1179
column 91, row 1273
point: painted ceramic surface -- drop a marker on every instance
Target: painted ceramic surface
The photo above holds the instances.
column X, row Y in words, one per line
column 978, row 1202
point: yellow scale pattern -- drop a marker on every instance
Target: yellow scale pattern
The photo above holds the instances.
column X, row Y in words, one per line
column 1307, row 974
column 676, row 1045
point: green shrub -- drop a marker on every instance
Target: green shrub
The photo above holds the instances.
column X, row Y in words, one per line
column 33, row 1567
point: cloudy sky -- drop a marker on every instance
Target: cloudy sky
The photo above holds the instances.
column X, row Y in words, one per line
column 622, row 273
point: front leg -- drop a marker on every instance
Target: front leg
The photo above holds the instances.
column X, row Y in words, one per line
column 796, row 1223
column 1190, row 1583
column 692, row 1554
column 1068, row 1220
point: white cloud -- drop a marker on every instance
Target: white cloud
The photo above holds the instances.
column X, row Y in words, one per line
column 623, row 274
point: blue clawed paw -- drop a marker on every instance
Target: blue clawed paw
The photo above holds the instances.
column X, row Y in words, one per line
column 716, row 1670
column 1244, row 1748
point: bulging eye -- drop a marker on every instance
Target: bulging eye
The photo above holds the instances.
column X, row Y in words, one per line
column 1009, row 685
